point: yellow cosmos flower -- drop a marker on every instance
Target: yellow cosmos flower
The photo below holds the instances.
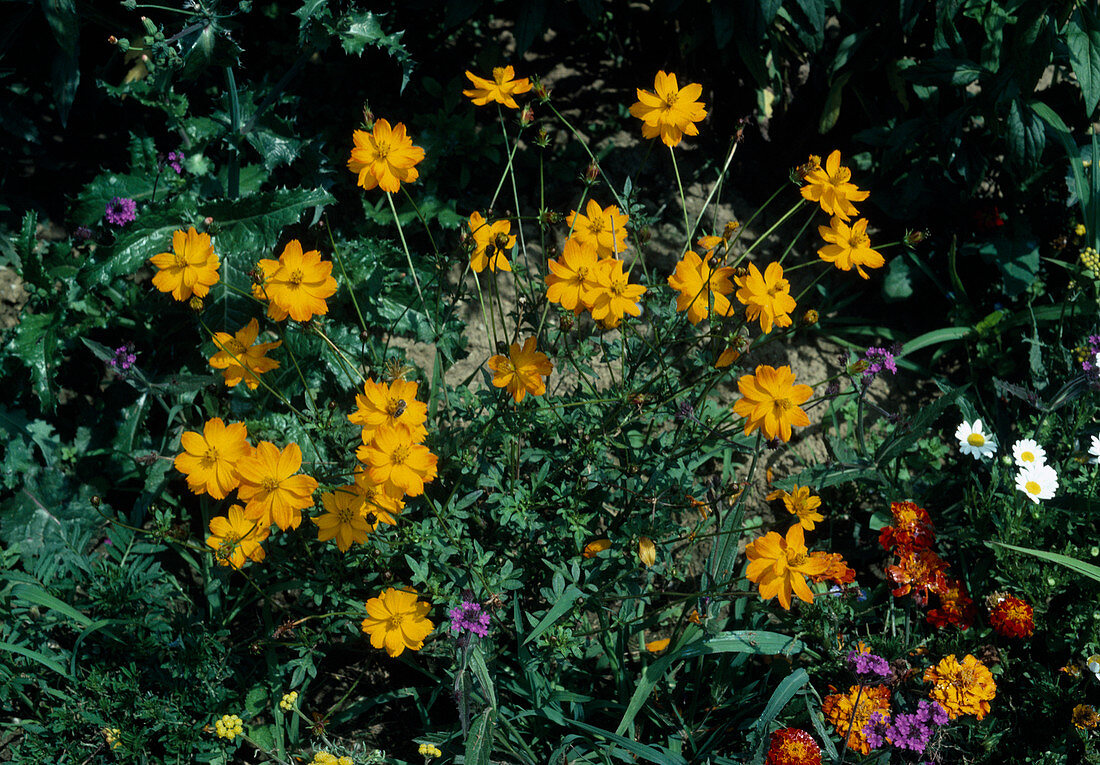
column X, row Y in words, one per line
column 961, row 688
column 522, row 370
column 603, row 228
column 266, row 269
column 831, row 187
column 190, row 269
column 396, row 620
column 344, row 518
column 385, row 157
column 647, row 551
column 595, row 547
column 298, row 282
column 397, row 464
column 572, row 276
column 235, row 539
column 614, row 295
column 491, row 243
column 210, row 459
column 800, row 502
column 700, row 285
column 242, row 357
column 770, row 401
column 502, row 88
column 394, row 406
column 766, row 297
column 779, row 566
column 376, row 502
column 270, row 487
column 848, row 246
column 671, row 111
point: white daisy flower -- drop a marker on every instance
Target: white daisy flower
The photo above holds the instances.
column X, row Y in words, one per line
column 1026, row 453
column 974, row 442
column 1037, row 482
column 1094, row 450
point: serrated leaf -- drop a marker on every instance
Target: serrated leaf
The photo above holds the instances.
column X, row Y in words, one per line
column 91, row 202
column 1083, row 40
column 35, row 344
column 479, row 742
column 360, row 29
column 1025, row 136
column 275, row 148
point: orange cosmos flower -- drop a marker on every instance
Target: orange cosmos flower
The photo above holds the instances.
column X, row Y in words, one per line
column 396, row 620
column 849, row 713
column 396, row 463
column 344, row 518
column 502, row 88
column 522, row 370
column 235, row 539
column 779, row 566
column 614, row 295
column 699, row 283
column 961, row 689
column 376, row 502
column 393, row 406
column 656, row 646
column 385, row 157
column 595, row 547
column 800, row 502
column 831, row 187
column 793, row 746
column 491, row 243
column 849, row 246
column 190, row 269
column 770, row 401
column 298, row 282
column 210, row 459
column 766, row 297
column 572, row 276
column 270, row 487
column 601, row 228
column 1009, row 616
column 242, row 357
column 671, row 111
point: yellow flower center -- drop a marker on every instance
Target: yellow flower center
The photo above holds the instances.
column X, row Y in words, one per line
column 618, row 287
column 975, row 439
column 181, row 262
column 595, row 226
column 295, row 279
column 1027, row 457
column 855, row 241
column 396, row 620
column 395, row 407
column 211, row 454
column 345, row 515
column 269, row 484
column 383, row 149
column 795, row 558
column 235, row 347
column 400, row 454
column 671, row 98
column 582, row 272
column 1031, row 487
column 783, row 404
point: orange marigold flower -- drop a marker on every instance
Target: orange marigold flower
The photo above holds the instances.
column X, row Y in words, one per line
column 917, row 572
column 270, row 486
column 492, row 242
column 298, row 282
column 836, row 570
column 766, row 296
column 601, row 228
column 190, row 269
column 1009, row 616
column 522, row 370
column 647, row 551
column 242, row 357
column 793, row 746
column 235, row 539
column 385, row 157
column 502, row 88
column 961, row 688
column 614, row 295
column 396, row 620
column 398, row 464
column 701, row 285
column 1084, row 717
column 376, row 502
column 393, row 406
column 779, row 566
column 956, row 606
column 849, row 713
column 670, row 111
column 912, row 527
column 572, row 276
column 771, row 402
column 595, row 547
column 800, row 502
column 344, row 518
column 849, row 246
column 210, row 459
column 831, row 187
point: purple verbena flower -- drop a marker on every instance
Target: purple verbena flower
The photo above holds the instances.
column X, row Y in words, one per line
column 175, row 159
column 1092, row 361
column 877, row 360
column 875, row 729
column 867, row 666
column 469, row 617
column 121, row 211
column 83, row 233
column 907, row 731
column 123, row 360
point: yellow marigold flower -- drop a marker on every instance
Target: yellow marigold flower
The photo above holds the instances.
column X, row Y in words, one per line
column 572, row 276
column 190, row 269
column 393, row 406
column 271, row 488
column 299, row 282
column 491, row 243
column 111, row 735
column 831, row 187
column 603, row 228
column 849, row 717
column 428, row 751
column 771, row 402
column 502, row 88
column 700, row 285
column 287, row 702
column 324, row 758
column 385, row 157
column 671, row 111
column 242, row 357
column 656, row 646
column 210, row 459
column 235, row 539
column 614, row 295
column 848, row 246
column 961, row 689
column 398, row 464
column 344, row 518
column 228, row 726
column 647, row 552
column 376, row 502
column 595, row 547
column 396, row 620
column 1084, row 716
column 522, row 370
column 766, row 296
column 779, row 566
column 800, row 502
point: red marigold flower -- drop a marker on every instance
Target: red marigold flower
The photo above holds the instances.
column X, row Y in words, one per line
column 955, row 607
column 918, row 572
column 793, row 746
column 1009, row 616
column 912, row 527
column 838, row 571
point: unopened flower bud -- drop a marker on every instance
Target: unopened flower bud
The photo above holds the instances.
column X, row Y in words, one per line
column 112, row 40
column 501, row 241
column 913, row 238
column 565, row 322
column 526, row 116
column 592, row 172
column 195, row 303
column 540, row 90
column 542, row 140
column 731, row 227
column 810, row 317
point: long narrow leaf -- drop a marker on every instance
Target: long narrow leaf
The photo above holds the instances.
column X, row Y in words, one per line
column 41, row 658
column 40, row 597
column 564, row 603
column 1082, row 568
column 647, row 753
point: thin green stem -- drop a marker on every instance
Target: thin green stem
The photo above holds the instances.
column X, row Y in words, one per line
column 683, row 200
column 408, row 258
column 347, row 280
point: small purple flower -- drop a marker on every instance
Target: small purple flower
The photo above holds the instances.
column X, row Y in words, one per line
column 83, row 233
column 879, row 359
column 121, row 211
column 868, row 666
column 175, row 159
column 875, row 729
column 906, row 731
column 469, row 617
column 1090, row 364
column 123, row 359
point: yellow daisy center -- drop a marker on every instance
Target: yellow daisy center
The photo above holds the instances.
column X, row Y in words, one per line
column 400, row 454
column 1027, row 456
column 181, row 261
column 1032, row 487
column 211, row 454
column 269, row 484
column 783, row 404
column 976, row 439
column 618, row 287
column 383, row 149
column 396, row 620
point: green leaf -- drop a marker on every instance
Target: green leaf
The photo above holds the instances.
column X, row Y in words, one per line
column 563, row 604
column 35, row 344
column 783, row 693
column 647, row 753
column 898, row 284
column 745, row 641
column 41, row 658
column 38, row 596
column 362, row 28
column 935, row 337
column 1025, row 135
column 481, row 672
column 1083, row 40
column 277, row 147
column 1078, row 566
column 903, row 437
column 944, row 70
column 91, row 202
column 479, row 742
column 831, row 111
